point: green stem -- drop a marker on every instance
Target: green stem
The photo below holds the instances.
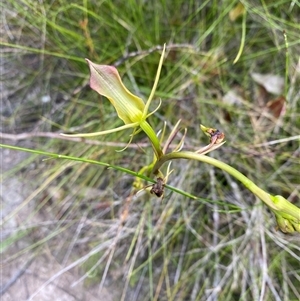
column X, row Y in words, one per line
column 273, row 202
column 146, row 127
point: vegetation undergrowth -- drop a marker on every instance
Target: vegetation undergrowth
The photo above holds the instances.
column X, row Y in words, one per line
column 208, row 238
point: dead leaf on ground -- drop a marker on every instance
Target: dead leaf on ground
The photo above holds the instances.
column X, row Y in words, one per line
column 277, row 106
column 272, row 83
column 233, row 97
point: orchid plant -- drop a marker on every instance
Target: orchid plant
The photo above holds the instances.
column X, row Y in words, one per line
column 134, row 113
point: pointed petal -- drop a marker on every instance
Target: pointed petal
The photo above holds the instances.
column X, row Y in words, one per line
column 120, row 128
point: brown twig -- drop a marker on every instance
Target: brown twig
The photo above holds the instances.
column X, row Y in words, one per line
column 149, row 51
column 25, row 136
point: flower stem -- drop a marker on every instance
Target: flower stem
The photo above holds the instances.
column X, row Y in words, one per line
column 146, row 127
column 274, row 203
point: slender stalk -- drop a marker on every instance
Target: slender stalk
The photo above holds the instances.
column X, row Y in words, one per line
column 275, row 203
column 145, row 126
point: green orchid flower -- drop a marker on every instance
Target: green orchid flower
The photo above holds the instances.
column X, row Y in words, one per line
column 130, row 108
column 134, row 113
